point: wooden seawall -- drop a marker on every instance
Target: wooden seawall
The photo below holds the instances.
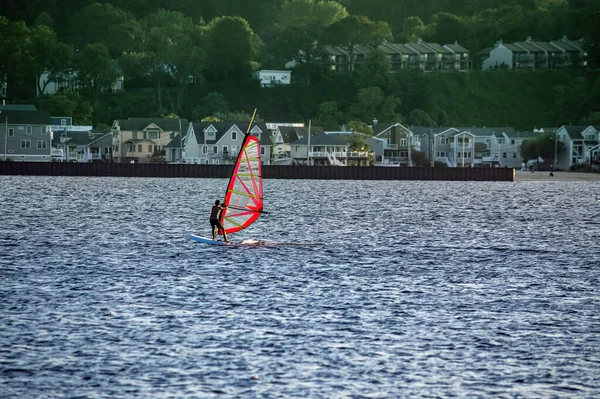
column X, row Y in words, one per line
column 269, row 172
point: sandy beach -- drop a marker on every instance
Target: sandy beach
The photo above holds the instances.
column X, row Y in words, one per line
column 558, row 176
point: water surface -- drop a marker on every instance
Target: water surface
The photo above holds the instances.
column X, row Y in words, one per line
column 363, row 289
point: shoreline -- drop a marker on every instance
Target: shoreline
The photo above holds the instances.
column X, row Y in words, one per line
column 558, row 176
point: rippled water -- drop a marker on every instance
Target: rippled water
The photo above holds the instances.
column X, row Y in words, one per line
column 363, row 289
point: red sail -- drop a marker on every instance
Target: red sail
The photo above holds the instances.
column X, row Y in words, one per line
column 244, row 197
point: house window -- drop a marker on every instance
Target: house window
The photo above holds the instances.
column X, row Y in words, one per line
column 225, row 150
column 134, row 135
column 262, row 150
column 459, row 155
column 149, row 147
column 514, row 154
column 500, row 141
column 210, row 135
column 25, row 143
column 512, row 142
column 589, row 137
column 204, row 147
column 46, row 130
column 139, row 148
column 442, row 140
column 403, row 154
column 42, row 144
column 465, row 140
column 11, row 132
column 233, row 135
column 152, row 135
column 28, row 130
column 503, row 155
column 441, row 153
column 215, row 149
column 403, row 142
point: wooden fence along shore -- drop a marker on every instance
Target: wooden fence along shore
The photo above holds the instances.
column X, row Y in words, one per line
column 269, row 172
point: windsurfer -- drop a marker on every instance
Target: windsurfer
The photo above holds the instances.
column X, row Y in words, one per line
column 215, row 220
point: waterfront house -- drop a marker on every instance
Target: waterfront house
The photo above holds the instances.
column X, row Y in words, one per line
column 95, row 145
column 505, row 147
column 138, row 139
column 283, row 135
column 25, row 135
column 220, row 142
column 535, row 55
column 174, row 150
column 397, row 143
column 327, row 148
column 578, row 142
column 595, row 158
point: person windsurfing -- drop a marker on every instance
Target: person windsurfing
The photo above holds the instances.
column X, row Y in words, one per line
column 215, row 220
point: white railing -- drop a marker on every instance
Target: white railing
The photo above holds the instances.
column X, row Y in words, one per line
column 390, row 146
column 325, row 154
column 357, row 154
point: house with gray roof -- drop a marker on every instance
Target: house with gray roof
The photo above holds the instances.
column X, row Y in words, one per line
column 324, row 149
column 220, row 142
column 94, row 145
column 418, row 55
column 595, row 158
column 25, row 135
column 535, row 55
column 578, row 142
column 138, row 139
column 505, row 147
column 397, row 144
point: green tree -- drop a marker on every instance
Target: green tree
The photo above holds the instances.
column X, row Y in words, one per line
column 176, row 43
column 329, row 116
column 95, row 70
column 542, row 146
column 301, row 29
column 231, row 45
column 376, row 70
column 324, row 12
column 360, row 127
column 357, row 30
column 47, row 55
column 69, row 102
column 44, row 19
column 372, row 103
column 211, row 104
column 15, row 59
column 103, row 23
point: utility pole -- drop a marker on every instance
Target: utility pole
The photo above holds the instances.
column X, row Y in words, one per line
column 463, row 151
column 555, row 149
column 180, row 143
column 308, row 145
column 5, row 134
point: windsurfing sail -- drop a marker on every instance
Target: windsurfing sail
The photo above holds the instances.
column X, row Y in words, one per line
column 244, row 196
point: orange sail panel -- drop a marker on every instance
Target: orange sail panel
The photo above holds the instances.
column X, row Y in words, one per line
column 244, row 197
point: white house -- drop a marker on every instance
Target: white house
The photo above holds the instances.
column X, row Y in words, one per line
column 220, row 142
column 578, row 142
column 269, row 78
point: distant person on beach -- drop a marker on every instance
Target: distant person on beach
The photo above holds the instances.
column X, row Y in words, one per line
column 215, row 220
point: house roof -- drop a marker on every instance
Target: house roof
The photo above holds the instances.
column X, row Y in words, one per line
column 334, row 50
column 176, row 142
column 514, row 48
column 18, row 107
column 566, row 45
column 438, row 48
column 402, row 48
column 381, row 127
column 165, row 124
column 574, row 132
column 224, row 127
column 322, row 139
column 25, row 117
column 138, row 141
column 521, row 134
column 458, row 48
column 290, row 134
column 530, row 46
column 420, row 48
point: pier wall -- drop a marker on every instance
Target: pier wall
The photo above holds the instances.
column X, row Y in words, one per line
column 269, row 172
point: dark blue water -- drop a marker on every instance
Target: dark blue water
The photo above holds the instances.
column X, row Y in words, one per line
column 363, row 289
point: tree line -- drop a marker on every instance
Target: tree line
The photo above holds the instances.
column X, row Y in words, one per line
column 197, row 58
